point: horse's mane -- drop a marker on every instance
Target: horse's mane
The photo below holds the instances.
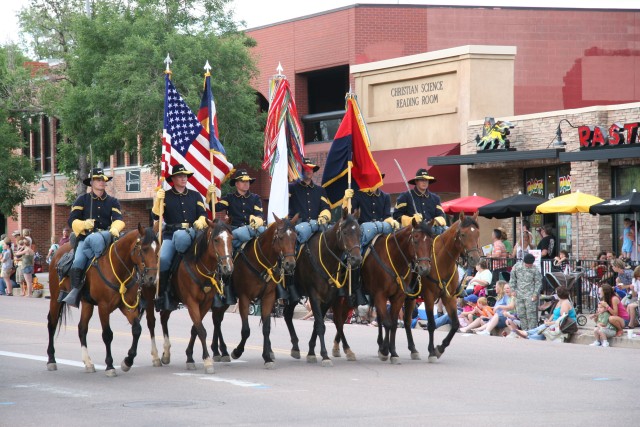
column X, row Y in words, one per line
column 149, row 236
column 426, row 228
column 201, row 242
column 468, row 221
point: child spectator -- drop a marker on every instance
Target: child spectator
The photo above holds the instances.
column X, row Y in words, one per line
column 481, row 280
column 561, row 262
column 479, row 315
column 628, row 237
column 603, row 329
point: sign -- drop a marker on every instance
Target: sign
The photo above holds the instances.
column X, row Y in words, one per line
column 615, row 136
column 133, row 183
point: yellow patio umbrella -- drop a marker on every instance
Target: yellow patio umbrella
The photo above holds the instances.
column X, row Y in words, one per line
column 570, row 203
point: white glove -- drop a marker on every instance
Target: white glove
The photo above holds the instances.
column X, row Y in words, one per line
column 89, row 224
column 440, row 221
column 348, row 193
column 160, row 194
column 417, row 217
column 255, row 222
column 200, row 223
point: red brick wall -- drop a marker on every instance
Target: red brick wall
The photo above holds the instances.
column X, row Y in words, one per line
column 38, row 219
column 134, row 212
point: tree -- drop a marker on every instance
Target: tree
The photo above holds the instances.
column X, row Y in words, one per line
column 16, row 171
column 110, row 91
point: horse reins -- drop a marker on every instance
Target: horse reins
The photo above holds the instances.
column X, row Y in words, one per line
column 411, row 266
column 211, row 275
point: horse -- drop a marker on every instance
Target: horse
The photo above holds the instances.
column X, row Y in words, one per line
column 196, row 281
column 392, row 270
column 112, row 281
column 259, row 267
column 321, row 272
column 459, row 241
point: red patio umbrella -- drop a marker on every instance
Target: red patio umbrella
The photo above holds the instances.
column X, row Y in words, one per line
column 468, row 204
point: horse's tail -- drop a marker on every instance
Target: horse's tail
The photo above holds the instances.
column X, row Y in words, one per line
column 63, row 309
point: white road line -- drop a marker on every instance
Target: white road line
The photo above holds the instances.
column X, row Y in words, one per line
column 239, row 383
column 54, row 390
column 45, row 359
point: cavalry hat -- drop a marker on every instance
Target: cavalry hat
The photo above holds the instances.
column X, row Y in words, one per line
column 309, row 164
column 241, row 175
column 529, row 259
column 422, row 174
column 96, row 173
column 471, row 298
column 179, row 169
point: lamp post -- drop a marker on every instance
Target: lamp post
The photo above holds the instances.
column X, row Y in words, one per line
column 558, row 142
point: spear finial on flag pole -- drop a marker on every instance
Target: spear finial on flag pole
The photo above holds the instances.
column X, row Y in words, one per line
column 207, row 69
column 279, row 69
column 210, row 126
column 168, row 61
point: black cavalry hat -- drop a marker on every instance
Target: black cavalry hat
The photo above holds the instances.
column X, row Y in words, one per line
column 179, row 169
column 96, row 173
column 422, row 174
column 309, row 164
column 241, row 175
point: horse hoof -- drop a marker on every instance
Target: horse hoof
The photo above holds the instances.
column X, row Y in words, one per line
column 382, row 356
column 124, row 367
column 312, row 359
column 395, row 360
column 269, row 365
column 235, row 355
column 272, row 355
column 157, row 363
column 52, row 366
column 166, row 360
column 111, row 373
column 217, row 358
column 432, row 359
column 295, row 354
column 351, row 356
column 90, row 369
column 439, row 352
column 209, row 370
column 327, row 363
column 415, row 356
column 336, row 352
column 191, row 366
column 225, row 359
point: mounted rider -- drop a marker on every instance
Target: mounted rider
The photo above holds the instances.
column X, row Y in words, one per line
column 427, row 203
column 183, row 211
column 91, row 213
column 375, row 218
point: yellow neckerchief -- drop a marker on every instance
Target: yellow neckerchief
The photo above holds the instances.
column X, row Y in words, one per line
column 335, row 281
column 268, row 269
column 123, row 284
column 211, row 278
column 400, row 279
column 435, row 261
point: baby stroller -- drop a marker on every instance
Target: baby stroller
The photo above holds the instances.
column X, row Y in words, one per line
column 548, row 299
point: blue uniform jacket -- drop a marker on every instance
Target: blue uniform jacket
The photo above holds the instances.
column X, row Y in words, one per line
column 104, row 211
column 428, row 204
column 239, row 208
column 179, row 209
column 374, row 206
column 307, row 200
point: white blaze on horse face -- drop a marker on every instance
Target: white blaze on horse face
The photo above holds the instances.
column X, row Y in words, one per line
column 473, row 229
column 154, row 246
column 225, row 237
column 288, row 233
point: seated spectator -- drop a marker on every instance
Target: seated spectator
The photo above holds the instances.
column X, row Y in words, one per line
column 561, row 262
column 479, row 315
column 604, row 329
column 564, row 307
column 624, row 277
column 481, row 280
column 632, row 308
column 504, row 309
column 619, row 315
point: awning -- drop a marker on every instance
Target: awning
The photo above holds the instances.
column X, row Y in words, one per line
column 496, row 157
column 412, row 159
column 605, row 153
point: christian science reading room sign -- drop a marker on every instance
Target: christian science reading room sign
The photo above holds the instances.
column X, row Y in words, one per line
column 616, row 136
column 413, row 98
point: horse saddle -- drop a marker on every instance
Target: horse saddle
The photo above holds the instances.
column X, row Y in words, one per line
column 366, row 250
column 64, row 264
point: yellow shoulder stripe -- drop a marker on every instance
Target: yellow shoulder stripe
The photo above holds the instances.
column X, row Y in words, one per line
column 116, row 210
column 224, row 202
column 77, row 208
column 202, row 204
column 400, row 205
column 324, row 199
column 258, row 208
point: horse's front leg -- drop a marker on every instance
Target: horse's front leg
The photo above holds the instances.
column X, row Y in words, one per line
column 268, row 301
column 396, row 306
column 107, row 338
column 320, row 329
column 452, row 310
column 218, row 346
column 86, row 311
column 166, row 345
column 136, row 330
column 382, row 318
column 429, row 300
column 151, row 325
column 409, row 306
column 318, row 325
column 340, row 311
column 288, row 319
column 243, row 307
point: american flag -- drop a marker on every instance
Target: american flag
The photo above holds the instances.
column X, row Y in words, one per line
column 186, row 141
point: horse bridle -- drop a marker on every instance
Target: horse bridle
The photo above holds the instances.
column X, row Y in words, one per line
column 416, row 260
column 465, row 253
column 219, row 257
column 345, row 251
column 141, row 269
column 277, row 238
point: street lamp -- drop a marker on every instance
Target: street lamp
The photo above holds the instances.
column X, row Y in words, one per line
column 558, row 142
column 42, row 188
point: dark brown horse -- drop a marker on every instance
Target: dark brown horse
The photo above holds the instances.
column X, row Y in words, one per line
column 259, row 267
column 393, row 270
column 196, row 282
column 459, row 242
column 113, row 282
column 321, row 272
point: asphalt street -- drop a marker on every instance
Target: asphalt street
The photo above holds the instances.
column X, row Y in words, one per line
column 487, row 381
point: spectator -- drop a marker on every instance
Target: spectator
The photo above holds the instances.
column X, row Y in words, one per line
column 518, row 251
column 26, row 234
column 481, row 280
column 7, row 266
column 628, row 237
column 603, row 329
column 619, row 315
column 478, row 316
column 504, row 307
column 624, row 277
column 505, row 240
column 498, row 250
column 65, row 236
column 526, row 282
column 561, row 262
column 27, row 255
column 632, row 308
column 564, row 307
column 52, row 249
column 547, row 244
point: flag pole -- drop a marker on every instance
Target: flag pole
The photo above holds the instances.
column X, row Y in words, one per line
column 349, row 165
column 207, row 69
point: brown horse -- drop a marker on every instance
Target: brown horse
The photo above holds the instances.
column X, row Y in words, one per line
column 113, row 281
column 259, row 267
column 321, row 271
column 393, row 271
column 196, row 282
column 460, row 241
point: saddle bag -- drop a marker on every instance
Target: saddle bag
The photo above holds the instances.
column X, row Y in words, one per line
column 64, row 264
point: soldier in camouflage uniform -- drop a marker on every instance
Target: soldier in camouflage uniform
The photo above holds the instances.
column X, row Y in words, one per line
column 526, row 282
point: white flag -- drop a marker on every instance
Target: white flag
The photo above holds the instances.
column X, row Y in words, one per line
column 279, row 194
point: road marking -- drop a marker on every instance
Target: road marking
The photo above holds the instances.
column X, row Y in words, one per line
column 239, row 383
column 46, row 359
column 54, row 390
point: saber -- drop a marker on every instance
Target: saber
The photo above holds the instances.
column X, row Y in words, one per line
column 404, row 179
column 90, row 174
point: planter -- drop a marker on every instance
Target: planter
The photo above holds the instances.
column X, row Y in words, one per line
column 37, row 293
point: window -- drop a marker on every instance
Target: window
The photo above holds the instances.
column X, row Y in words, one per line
column 120, row 158
column 325, row 100
column 47, row 144
column 36, row 151
column 625, row 180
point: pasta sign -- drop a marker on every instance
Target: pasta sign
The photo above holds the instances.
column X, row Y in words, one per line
column 616, row 135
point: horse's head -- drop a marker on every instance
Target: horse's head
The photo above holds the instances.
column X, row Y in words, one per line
column 467, row 236
column 348, row 236
column 219, row 239
column 421, row 239
column 284, row 241
column 144, row 255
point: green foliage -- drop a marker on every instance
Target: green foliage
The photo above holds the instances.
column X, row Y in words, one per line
column 110, row 90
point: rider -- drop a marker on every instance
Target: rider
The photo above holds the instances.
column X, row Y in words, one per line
column 91, row 212
column 375, row 218
column 426, row 202
column 181, row 209
column 311, row 203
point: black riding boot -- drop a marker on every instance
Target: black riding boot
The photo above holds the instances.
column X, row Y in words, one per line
column 230, row 297
column 282, row 292
column 73, row 299
column 164, row 302
column 357, row 294
column 294, row 293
